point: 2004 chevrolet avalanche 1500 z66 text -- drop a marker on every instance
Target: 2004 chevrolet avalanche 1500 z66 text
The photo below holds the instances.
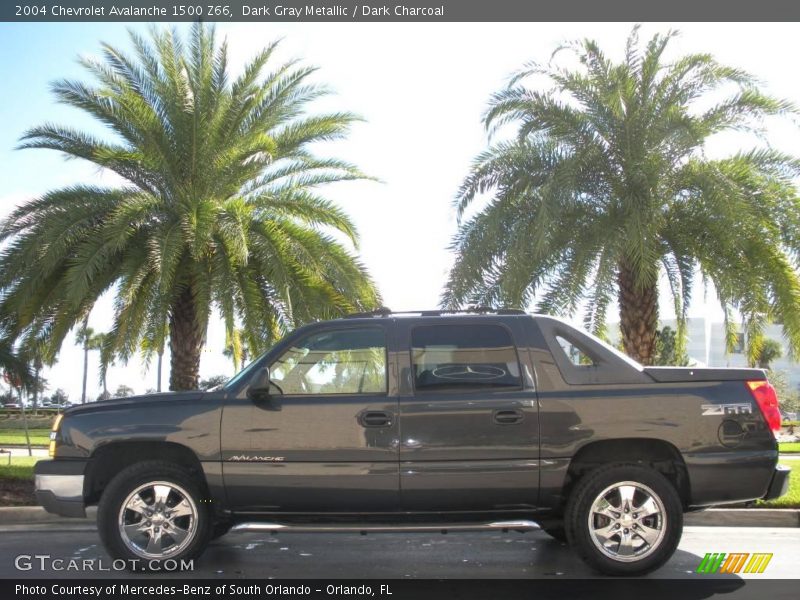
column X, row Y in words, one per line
column 431, row 420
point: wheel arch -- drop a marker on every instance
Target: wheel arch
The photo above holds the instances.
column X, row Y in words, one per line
column 658, row 454
column 109, row 459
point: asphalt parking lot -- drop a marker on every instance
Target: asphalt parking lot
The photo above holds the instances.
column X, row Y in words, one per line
column 390, row 556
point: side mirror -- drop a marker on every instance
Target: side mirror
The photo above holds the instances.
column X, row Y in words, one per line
column 259, row 386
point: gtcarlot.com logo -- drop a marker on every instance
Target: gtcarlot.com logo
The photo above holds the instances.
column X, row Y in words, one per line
column 735, row 562
column 45, row 562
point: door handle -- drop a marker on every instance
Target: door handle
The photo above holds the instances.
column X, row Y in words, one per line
column 508, row 416
column 375, row 418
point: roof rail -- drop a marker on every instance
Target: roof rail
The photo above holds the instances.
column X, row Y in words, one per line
column 481, row 310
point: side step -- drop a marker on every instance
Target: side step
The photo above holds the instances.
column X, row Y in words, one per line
column 262, row 527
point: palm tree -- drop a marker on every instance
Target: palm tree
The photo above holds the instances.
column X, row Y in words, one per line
column 36, row 358
column 220, row 210
column 770, row 352
column 15, row 368
column 606, row 187
column 89, row 340
column 100, row 341
column 84, row 338
column 235, row 350
column 155, row 345
column 159, row 368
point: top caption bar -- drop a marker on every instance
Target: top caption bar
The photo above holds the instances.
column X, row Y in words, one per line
column 387, row 10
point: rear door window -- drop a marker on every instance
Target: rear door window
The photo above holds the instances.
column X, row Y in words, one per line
column 463, row 358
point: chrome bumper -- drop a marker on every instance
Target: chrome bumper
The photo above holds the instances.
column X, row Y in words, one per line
column 64, row 487
column 780, row 482
column 59, row 492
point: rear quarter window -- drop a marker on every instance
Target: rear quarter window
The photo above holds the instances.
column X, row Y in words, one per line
column 583, row 359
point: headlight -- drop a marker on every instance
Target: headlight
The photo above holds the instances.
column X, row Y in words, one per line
column 53, row 435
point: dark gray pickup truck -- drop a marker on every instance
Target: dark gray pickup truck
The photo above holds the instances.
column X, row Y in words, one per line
column 424, row 421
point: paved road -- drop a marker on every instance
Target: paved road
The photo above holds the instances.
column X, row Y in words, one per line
column 385, row 556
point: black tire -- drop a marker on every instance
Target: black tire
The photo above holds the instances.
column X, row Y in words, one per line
column 109, row 513
column 220, row 528
column 556, row 531
column 589, row 489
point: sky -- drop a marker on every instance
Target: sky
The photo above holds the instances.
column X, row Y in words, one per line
column 421, row 89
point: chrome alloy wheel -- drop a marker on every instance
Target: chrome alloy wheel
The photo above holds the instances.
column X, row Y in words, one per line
column 627, row 521
column 158, row 520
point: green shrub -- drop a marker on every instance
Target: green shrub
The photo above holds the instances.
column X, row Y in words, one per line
column 21, row 467
column 33, row 423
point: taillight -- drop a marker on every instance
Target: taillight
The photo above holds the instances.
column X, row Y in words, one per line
column 767, row 399
column 54, row 435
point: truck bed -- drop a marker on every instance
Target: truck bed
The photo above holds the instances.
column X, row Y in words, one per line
column 688, row 374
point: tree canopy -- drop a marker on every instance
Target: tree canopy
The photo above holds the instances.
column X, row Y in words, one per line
column 220, row 209
column 607, row 187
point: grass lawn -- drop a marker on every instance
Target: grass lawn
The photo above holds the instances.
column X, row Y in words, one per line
column 21, row 467
column 39, row 437
column 792, row 498
column 16, row 480
column 789, row 447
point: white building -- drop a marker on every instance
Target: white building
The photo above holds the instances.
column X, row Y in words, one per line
column 706, row 347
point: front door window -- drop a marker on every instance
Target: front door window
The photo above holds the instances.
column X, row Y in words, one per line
column 344, row 361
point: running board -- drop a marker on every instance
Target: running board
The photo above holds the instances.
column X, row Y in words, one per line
column 504, row 526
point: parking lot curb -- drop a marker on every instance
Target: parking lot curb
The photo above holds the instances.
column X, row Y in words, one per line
column 15, row 515
column 744, row 517
column 24, row 446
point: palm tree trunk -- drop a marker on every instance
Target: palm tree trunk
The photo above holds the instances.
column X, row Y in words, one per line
column 85, row 370
column 638, row 313
column 186, row 342
column 37, row 372
column 158, row 379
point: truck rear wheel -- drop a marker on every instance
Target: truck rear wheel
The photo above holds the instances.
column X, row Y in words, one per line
column 152, row 514
column 624, row 519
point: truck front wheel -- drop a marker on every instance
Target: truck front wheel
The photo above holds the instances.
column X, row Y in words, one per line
column 624, row 519
column 152, row 516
